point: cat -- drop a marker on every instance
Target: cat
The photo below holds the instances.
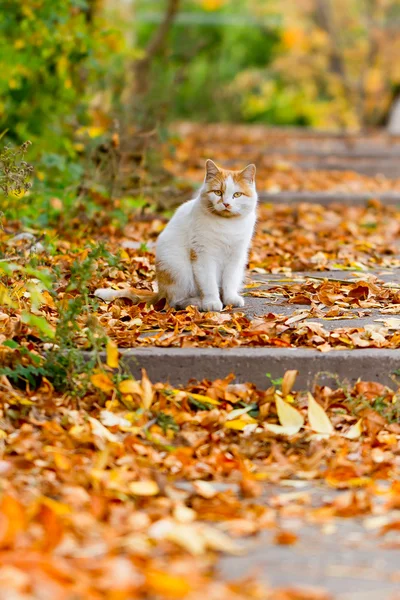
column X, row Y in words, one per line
column 201, row 254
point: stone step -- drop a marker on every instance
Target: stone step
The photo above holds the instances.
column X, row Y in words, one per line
column 179, row 365
column 325, row 198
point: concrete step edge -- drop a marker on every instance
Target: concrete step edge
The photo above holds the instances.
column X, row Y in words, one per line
column 179, row 365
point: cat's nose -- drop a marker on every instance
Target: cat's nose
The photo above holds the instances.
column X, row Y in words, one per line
column 226, row 205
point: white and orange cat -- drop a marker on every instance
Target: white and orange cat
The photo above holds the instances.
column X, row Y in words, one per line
column 201, row 255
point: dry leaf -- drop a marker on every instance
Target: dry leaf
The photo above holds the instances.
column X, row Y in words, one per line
column 147, row 397
column 288, row 381
column 102, row 381
column 317, row 417
column 355, row 431
column 112, row 354
column 290, row 418
column 110, row 419
column 102, row 432
column 204, row 489
column 130, row 386
column 144, row 488
column 167, row 585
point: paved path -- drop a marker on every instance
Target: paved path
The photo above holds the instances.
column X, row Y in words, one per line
column 346, row 557
column 350, row 558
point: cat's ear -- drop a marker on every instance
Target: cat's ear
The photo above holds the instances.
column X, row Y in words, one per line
column 211, row 170
column 249, row 173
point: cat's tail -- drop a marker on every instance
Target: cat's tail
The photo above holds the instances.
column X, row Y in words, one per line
column 137, row 296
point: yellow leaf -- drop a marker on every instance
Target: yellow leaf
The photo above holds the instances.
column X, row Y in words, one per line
column 355, row 431
column 130, row 386
column 59, row 508
column 112, row 354
column 199, row 397
column 205, row 399
column 288, row 416
column 103, row 382
column 238, row 424
column 61, row 461
column 318, row 418
column 144, row 488
column 288, row 381
column 147, row 397
column 166, row 585
column 5, row 298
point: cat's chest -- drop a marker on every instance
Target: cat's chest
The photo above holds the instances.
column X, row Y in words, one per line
column 219, row 239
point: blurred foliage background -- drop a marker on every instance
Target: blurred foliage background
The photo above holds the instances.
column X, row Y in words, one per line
column 75, row 73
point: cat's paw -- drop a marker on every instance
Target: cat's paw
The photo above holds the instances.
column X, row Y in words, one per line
column 234, row 300
column 211, row 304
column 192, row 301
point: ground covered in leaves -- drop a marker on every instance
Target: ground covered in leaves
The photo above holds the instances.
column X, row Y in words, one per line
column 133, row 490
column 118, row 489
column 52, row 276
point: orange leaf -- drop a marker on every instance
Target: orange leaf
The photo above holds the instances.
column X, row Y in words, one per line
column 167, row 585
column 52, row 526
column 147, row 397
column 102, row 381
column 12, row 520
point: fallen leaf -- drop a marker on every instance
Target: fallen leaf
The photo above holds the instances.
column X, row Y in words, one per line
column 101, row 432
column 130, row 386
column 144, row 488
column 289, row 418
column 288, row 381
column 110, row 419
column 112, row 354
column 317, row 417
column 167, row 585
column 204, row 489
column 102, row 381
column 285, row 538
column 147, row 397
column 355, row 431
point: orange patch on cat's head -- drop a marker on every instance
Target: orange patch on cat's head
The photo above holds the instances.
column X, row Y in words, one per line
column 244, row 178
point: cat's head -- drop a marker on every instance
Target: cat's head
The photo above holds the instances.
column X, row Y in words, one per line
column 229, row 194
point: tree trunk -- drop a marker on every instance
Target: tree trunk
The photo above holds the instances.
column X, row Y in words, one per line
column 142, row 67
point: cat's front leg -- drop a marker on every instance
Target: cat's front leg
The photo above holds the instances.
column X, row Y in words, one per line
column 232, row 280
column 205, row 275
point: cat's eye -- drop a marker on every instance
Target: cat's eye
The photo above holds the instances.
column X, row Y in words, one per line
column 237, row 194
column 218, row 192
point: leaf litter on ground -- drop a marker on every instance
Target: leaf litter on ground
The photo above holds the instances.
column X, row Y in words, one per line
column 92, row 502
